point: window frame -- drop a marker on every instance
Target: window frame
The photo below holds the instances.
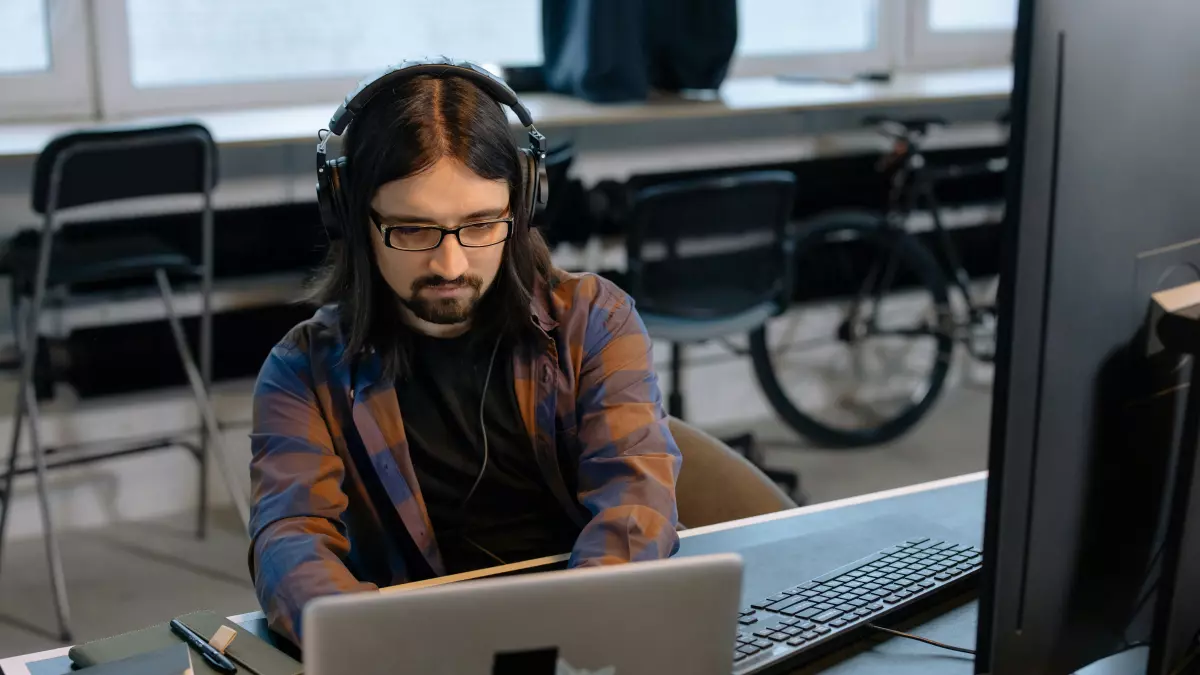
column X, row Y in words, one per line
column 929, row 49
column 65, row 90
column 889, row 18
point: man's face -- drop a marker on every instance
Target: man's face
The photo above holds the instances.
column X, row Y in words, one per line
column 440, row 287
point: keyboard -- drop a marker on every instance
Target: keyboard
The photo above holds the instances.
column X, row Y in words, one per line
column 801, row 623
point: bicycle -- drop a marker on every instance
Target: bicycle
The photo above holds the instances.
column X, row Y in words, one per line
column 893, row 308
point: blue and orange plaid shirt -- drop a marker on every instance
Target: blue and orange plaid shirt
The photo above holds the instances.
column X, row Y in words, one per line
column 328, row 430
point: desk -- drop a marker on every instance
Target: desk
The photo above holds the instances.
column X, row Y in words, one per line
column 779, row 548
column 738, row 97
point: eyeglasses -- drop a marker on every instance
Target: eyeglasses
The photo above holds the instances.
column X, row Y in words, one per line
column 427, row 237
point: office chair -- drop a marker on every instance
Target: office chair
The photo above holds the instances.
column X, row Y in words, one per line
column 558, row 165
column 709, row 259
column 566, row 218
column 93, row 167
column 716, row 484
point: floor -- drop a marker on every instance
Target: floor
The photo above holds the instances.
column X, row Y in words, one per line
column 139, row 572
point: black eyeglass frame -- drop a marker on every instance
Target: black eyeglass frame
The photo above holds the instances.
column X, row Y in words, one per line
column 385, row 231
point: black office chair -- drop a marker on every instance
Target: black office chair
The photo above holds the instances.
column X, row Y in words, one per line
column 565, row 218
column 86, row 168
column 710, row 259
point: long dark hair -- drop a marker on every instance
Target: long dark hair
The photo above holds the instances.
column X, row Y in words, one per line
column 400, row 133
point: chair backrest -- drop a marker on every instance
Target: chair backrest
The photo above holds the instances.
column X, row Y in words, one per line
column 101, row 165
column 558, row 168
column 717, row 485
column 710, row 247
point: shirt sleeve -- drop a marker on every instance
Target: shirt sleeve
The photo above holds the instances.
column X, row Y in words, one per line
column 298, row 547
column 629, row 462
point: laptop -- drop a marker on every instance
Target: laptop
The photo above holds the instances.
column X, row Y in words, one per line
column 668, row 616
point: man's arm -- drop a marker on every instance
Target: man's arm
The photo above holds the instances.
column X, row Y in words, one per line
column 629, row 461
column 298, row 542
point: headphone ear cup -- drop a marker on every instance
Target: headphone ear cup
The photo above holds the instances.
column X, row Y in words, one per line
column 543, row 184
column 536, row 188
column 338, row 205
column 528, row 189
column 325, row 203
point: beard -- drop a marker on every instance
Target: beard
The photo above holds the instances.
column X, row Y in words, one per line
column 444, row 311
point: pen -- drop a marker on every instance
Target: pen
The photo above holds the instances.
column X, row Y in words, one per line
column 215, row 658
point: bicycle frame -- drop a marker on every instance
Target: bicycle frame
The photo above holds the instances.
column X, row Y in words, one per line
column 913, row 188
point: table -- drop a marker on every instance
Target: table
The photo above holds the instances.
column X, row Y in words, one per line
column 779, row 548
column 737, row 97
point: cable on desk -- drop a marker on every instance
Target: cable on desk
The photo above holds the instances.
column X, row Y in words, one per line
column 918, row 638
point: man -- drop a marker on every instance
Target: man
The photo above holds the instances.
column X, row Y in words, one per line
column 457, row 402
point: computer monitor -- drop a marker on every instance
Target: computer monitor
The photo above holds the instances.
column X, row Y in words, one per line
column 1104, row 209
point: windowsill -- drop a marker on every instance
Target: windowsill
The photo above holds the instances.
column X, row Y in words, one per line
column 738, row 96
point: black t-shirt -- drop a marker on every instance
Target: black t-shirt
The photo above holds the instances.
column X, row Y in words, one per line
column 512, row 513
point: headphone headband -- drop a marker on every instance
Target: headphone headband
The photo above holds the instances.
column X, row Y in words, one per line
column 331, row 173
column 369, row 87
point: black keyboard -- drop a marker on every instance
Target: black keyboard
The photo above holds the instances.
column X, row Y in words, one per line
column 797, row 625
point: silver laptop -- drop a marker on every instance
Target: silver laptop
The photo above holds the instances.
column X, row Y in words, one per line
column 668, row 616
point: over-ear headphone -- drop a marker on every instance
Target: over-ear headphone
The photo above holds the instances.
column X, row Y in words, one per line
column 331, row 173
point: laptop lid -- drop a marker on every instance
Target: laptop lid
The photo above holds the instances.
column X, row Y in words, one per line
column 668, row 616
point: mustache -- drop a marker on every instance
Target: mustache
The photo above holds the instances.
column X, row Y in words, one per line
column 433, row 281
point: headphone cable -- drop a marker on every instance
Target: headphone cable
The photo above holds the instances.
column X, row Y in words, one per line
column 483, row 433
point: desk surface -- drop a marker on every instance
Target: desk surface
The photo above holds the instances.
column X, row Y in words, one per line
column 800, row 543
column 742, row 96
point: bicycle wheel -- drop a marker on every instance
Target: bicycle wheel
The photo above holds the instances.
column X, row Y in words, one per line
column 866, row 352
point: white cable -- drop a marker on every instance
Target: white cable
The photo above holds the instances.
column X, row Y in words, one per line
column 483, row 467
column 482, row 425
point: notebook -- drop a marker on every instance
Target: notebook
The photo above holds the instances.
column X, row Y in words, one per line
column 252, row 655
column 174, row 660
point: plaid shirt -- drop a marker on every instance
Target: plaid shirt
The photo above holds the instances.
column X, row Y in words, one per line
column 328, row 431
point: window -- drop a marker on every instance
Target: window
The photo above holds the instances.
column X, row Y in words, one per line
column 812, row 36
column 962, row 33
column 972, row 15
column 196, row 53
column 26, row 44
column 774, row 27
column 43, row 59
column 74, row 59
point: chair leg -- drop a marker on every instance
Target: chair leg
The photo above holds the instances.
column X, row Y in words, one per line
column 6, row 494
column 13, row 449
column 675, row 397
column 53, row 554
column 207, row 248
column 18, row 418
column 27, row 404
column 205, row 443
column 27, row 400
column 240, row 500
column 202, row 507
